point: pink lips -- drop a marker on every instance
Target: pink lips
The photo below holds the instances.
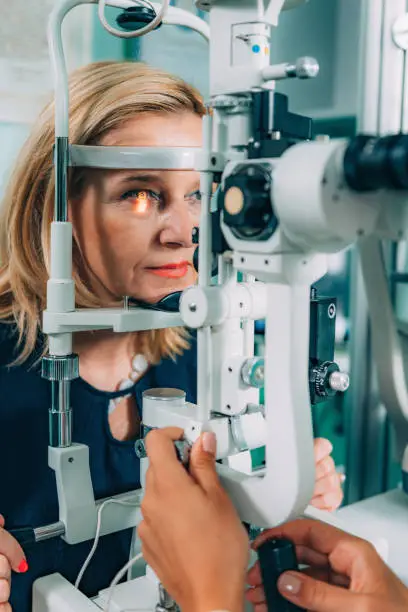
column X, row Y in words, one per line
column 177, row 270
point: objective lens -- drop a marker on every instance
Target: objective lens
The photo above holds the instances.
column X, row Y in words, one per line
column 373, row 163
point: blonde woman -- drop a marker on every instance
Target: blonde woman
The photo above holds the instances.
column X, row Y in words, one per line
column 132, row 237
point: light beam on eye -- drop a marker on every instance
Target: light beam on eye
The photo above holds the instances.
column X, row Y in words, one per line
column 141, row 203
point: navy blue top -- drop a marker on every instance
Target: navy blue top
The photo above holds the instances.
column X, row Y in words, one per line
column 28, row 493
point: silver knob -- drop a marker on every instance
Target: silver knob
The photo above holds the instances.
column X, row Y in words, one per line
column 60, row 368
column 253, row 372
column 339, row 381
column 304, row 68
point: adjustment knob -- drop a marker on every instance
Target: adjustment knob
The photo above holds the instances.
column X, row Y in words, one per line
column 327, row 380
column 246, row 203
column 60, row 368
column 305, row 68
column 339, row 382
column 253, row 372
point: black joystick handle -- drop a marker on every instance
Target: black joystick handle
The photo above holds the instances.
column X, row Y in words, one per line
column 276, row 557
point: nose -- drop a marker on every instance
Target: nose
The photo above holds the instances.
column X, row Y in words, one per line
column 177, row 228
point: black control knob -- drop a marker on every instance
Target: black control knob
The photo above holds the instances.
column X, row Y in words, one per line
column 214, row 262
column 276, row 557
column 326, row 380
column 136, row 17
column 245, row 200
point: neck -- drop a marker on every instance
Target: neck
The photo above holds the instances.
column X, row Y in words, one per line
column 93, row 341
column 105, row 357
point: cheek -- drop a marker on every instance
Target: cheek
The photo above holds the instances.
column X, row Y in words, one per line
column 112, row 244
column 128, row 240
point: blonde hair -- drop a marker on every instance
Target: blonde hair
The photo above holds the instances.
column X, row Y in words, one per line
column 103, row 95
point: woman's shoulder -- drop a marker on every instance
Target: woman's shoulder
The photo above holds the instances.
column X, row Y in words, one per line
column 9, row 343
column 11, row 346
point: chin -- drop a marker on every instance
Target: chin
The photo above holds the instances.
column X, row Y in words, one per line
column 154, row 295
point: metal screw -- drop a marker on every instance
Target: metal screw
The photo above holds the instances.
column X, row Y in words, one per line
column 192, row 307
column 331, row 311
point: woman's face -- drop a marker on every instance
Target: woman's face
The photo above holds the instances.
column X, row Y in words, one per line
column 134, row 227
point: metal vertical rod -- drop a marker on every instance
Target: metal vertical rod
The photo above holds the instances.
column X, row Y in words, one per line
column 61, row 159
column 204, row 379
column 60, row 414
column 206, row 182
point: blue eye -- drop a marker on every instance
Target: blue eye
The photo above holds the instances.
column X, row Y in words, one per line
column 194, row 197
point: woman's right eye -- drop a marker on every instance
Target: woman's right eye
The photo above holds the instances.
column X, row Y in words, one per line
column 142, row 201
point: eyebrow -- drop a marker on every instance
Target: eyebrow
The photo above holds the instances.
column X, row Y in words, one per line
column 142, row 178
column 147, row 178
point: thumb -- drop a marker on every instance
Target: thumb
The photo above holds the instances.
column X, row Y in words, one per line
column 316, row 596
column 202, row 461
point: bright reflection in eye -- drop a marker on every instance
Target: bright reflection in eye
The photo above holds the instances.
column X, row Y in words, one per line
column 140, row 204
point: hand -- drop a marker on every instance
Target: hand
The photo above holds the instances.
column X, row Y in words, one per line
column 191, row 535
column 328, row 493
column 345, row 573
column 11, row 558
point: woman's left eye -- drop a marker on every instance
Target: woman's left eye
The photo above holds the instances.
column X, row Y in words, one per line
column 141, row 200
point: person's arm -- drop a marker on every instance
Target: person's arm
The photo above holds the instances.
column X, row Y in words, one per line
column 11, row 558
column 191, row 534
column 345, row 573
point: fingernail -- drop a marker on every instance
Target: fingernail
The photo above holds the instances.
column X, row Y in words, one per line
column 290, row 584
column 328, row 446
column 342, row 478
column 23, row 567
column 209, row 442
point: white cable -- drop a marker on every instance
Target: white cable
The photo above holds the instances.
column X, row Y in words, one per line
column 132, row 549
column 261, row 10
column 135, row 33
column 97, row 534
column 118, row 578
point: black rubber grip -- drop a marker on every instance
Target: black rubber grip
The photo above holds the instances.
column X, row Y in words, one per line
column 25, row 536
column 276, row 557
